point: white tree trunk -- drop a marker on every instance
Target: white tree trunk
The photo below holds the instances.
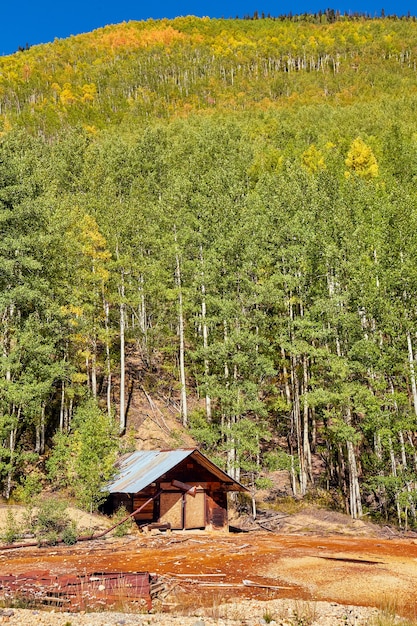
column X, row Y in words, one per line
column 412, row 371
column 354, row 489
column 184, row 410
column 122, row 313
column 205, row 346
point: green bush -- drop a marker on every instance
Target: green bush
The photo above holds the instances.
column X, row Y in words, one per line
column 70, row 534
column 12, row 528
column 126, row 527
column 52, row 523
column 52, row 516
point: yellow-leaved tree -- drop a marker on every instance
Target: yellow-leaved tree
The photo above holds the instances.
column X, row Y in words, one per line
column 313, row 160
column 361, row 160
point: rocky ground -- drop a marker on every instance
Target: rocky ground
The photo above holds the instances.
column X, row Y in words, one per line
column 244, row 613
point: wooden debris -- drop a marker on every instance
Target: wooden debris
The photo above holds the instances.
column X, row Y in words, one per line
column 198, row 575
column 251, row 583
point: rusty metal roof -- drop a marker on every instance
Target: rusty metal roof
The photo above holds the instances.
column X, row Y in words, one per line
column 143, row 467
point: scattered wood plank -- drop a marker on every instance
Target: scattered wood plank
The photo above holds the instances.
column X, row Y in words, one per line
column 251, row 583
column 198, row 575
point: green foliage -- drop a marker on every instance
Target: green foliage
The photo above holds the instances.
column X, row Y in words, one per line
column 29, row 488
column 70, row 534
column 83, row 459
column 196, row 169
column 126, row 527
column 12, row 528
column 52, row 516
column 264, row 483
column 52, row 522
column 277, row 460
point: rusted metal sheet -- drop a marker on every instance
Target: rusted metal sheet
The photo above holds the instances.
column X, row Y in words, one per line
column 75, row 593
column 144, row 467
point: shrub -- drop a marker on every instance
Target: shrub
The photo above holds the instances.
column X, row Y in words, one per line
column 70, row 534
column 52, row 516
column 11, row 530
column 53, row 523
column 126, row 527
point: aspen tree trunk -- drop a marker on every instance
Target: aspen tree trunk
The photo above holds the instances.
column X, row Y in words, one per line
column 87, row 372
column 231, row 447
column 412, row 371
column 379, row 455
column 143, row 318
column 286, row 378
column 94, row 369
column 288, row 398
column 40, row 433
column 108, row 362
column 12, row 444
column 62, row 408
column 354, row 490
column 394, row 473
column 122, row 321
column 296, row 415
column 402, row 448
column 306, row 441
column 293, row 478
column 12, row 447
column 42, row 429
column 183, row 387
column 37, row 439
column 205, row 336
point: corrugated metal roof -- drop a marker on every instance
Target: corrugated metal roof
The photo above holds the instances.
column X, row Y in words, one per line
column 143, row 467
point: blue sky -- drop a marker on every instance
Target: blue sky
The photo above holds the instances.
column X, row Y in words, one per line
column 41, row 21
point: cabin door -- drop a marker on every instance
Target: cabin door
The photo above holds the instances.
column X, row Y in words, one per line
column 195, row 510
column 170, row 508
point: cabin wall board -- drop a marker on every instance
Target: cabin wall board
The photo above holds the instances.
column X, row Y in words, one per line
column 147, row 513
column 170, row 509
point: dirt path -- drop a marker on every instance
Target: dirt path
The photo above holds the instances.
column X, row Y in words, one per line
column 364, row 571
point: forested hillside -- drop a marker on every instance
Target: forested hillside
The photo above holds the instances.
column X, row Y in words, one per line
column 233, row 202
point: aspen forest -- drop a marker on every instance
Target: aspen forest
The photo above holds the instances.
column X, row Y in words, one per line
column 222, row 213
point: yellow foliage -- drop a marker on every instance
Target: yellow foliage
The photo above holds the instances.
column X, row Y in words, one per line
column 90, row 128
column 361, row 160
column 67, row 96
column 89, row 92
column 78, row 377
column 7, row 126
column 124, row 37
column 313, row 160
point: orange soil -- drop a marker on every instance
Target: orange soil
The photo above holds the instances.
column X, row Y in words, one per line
column 348, row 570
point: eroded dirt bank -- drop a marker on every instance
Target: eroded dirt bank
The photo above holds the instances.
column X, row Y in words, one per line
column 203, row 572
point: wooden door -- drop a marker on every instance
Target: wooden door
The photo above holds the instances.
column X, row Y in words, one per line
column 170, row 508
column 195, row 510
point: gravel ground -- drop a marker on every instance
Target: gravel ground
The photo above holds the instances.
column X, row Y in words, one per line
column 245, row 613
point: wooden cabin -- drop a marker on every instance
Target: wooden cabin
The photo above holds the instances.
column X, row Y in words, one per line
column 179, row 489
